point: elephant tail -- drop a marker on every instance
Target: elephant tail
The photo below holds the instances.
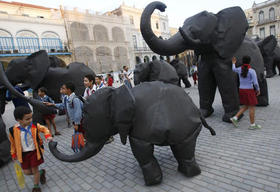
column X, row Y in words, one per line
column 205, row 124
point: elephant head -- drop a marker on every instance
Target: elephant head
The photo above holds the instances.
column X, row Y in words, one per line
column 155, row 71
column 106, row 112
column 29, row 71
column 206, row 32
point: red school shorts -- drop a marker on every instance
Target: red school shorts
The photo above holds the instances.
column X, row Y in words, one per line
column 248, row 97
column 29, row 160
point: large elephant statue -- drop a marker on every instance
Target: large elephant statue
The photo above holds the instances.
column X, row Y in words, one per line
column 151, row 113
column 39, row 70
column 216, row 37
column 271, row 54
column 250, row 48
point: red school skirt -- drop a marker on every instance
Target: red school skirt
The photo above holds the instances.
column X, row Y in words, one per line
column 29, row 160
column 248, row 97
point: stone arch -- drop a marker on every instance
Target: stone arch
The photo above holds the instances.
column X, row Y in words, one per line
column 79, row 31
column 104, row 59
column 49, row 34
column 121, row 59
column 26, row 33
column 118, row 34
column 84, row 55
column 5, row 33
column 154, row 58
column 138, row 60
column 146, row 59
column 271, row 13
column 100, row 33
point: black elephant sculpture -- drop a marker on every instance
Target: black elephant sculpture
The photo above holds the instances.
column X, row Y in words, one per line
column 271, row 55
column 4, row 144
column 38, row 70
column 216, row 37
column 182, row 72
column 250, row 48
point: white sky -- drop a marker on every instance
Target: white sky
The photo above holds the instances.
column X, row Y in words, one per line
column 177, row 10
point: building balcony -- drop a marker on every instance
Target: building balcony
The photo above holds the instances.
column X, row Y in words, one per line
column 26, row 51
column 142, row 49
column 266, row 21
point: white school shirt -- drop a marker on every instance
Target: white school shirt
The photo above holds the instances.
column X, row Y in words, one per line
column 31, row 146
column 89, row 92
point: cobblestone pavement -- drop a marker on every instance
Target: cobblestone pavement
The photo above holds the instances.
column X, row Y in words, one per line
column 237, row 159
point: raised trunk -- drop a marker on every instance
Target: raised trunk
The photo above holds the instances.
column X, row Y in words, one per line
column 88, row 151
column 172, row 46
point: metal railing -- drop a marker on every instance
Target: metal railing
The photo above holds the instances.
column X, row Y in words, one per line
column 30, row 49
column 142, row 49
column 264, row 21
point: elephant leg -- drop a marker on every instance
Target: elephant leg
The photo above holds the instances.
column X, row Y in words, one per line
column 206, row 87
column 179, row 82
column 184, row 154
column 227, row 86
column 186, row 81
column 143, row 152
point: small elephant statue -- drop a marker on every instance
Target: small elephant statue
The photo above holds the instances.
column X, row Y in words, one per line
column 145, row 115
column 216, row 37
column 271, row 55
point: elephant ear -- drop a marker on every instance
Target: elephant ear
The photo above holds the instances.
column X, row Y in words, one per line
column 230, row 32
column 122, row 111
column 38, row 66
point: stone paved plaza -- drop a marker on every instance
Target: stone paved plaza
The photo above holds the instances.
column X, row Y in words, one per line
column 236, row 159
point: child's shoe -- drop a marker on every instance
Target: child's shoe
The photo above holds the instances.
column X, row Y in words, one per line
column 234, row 121
column 36, row 189
column 255, row 126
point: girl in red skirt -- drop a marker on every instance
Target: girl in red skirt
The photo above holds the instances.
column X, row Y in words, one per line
column 247, row 94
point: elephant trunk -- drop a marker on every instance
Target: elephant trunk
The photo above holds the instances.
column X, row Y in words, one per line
column 88, row 151
column 4, row 81
column 175, row 45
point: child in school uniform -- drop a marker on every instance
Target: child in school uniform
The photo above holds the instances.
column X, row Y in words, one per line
column 27, row 145
column 49, row 118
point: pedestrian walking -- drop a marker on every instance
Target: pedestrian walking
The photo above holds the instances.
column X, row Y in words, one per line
column 248, row 90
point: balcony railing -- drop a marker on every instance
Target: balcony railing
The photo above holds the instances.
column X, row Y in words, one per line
column 265, row 21
column 142, row 49
column 22, row 51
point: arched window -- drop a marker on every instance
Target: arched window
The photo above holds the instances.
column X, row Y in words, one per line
column 28, row 41
column 51, row 42
column 261, row 16
column 79, row 32
column 118, row 35
column 138, row 60
column 121, row 57
column 272, row 14
column 6, row 41
column 84, row 55
column 100, row 33
column 104, row 59
column 146, row 59
column 154, row 58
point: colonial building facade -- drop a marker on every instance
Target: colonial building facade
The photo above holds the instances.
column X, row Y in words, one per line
column 264, row 19
column 100, row 41
column 26, row 28
column 160, row 26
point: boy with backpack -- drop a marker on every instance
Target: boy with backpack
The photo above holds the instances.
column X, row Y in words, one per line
column 27, row 145
column 73, row 107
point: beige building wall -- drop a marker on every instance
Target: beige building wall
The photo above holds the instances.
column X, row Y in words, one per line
column 99, row 41
column 262, row 21
column 160, row 26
